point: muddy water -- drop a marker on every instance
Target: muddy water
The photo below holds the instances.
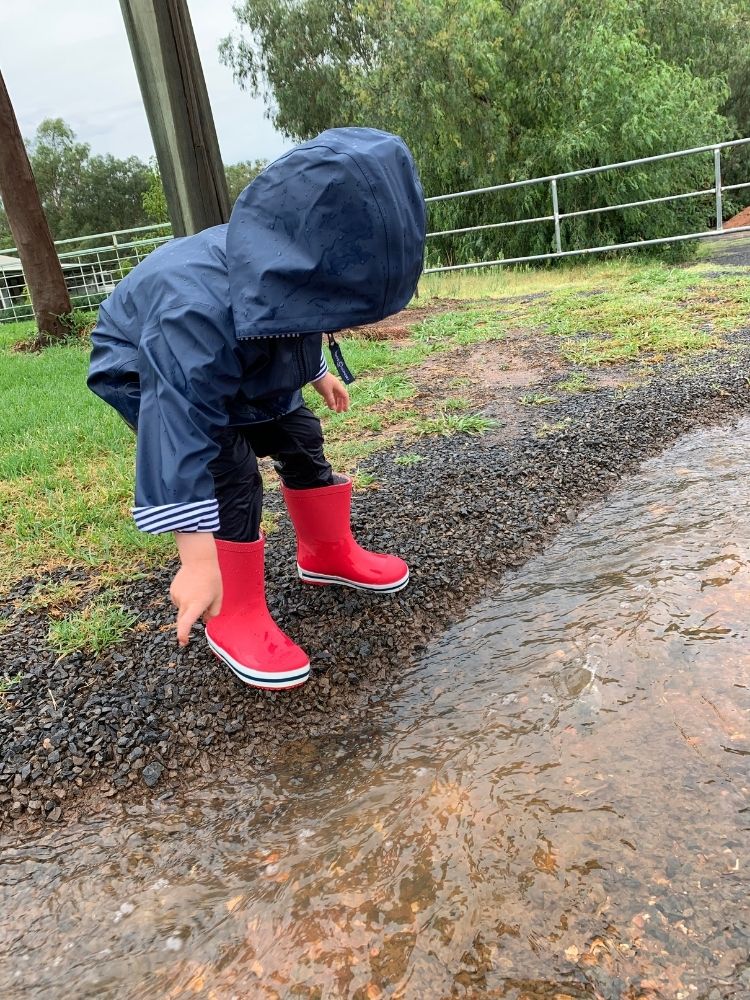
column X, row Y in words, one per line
column 557, row 804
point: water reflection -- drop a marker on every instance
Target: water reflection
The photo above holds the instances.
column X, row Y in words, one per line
column 557, row 805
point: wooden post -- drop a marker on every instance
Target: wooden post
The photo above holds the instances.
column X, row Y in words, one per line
column 28, row 224
column 179, row 114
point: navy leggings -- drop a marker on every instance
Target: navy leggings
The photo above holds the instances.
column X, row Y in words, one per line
column 294, row 441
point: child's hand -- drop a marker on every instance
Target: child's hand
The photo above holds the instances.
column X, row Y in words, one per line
column 196, row 589
column 333, row 392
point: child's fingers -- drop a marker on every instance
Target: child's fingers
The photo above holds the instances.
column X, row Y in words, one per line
column 186, row 618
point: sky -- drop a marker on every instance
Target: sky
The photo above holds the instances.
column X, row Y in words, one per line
column 70, row 59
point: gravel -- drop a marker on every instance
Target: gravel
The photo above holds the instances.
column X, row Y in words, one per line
column 144, row 717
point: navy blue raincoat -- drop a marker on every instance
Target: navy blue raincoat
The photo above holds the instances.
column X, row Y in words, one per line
column 225, row 327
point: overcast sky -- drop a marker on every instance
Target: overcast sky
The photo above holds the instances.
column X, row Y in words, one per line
column 70, row 59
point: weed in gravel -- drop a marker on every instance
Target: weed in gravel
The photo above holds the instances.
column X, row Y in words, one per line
column 537, row 399
column 94, row 628
column 364, row 480
column 446, row 424
column 6, row 683
column 269, row 522
column 577, row 383
column 548, row 429
column 51, row 595
column 411, row 458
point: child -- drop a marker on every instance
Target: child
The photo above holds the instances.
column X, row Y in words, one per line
column 203, row 349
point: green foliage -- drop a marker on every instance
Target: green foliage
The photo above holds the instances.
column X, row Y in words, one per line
column 239, row 176
column 490, row 92
column 7, row 682
column 537, row 399
column 447, row 424
column 576, row 384
column 153, row 199
column 94, row 628
column 709, row 37
column 81, row 193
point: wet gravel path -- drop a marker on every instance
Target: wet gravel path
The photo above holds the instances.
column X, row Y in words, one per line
column 140, row 720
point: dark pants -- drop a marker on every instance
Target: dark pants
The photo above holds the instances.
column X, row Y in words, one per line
column 295, row 442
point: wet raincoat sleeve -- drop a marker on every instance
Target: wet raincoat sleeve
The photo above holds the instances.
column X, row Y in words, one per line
column 188, row 371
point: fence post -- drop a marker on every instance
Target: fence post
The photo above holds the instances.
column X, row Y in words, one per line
column 556, row 213
column 717, row 176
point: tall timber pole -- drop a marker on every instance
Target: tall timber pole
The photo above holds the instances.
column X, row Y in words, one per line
column 174, row 92
column 49, row 295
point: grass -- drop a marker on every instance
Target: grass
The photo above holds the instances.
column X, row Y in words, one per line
column 615, row 311
column 447, row 424
column 411, row 458
column 7, row 682
column 576, row 384
column 537, row 399
column 364, row 480
column 93, row 628
column 548, row 429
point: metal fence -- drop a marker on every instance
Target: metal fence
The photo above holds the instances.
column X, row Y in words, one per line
column 94, row 264
column 717, row 190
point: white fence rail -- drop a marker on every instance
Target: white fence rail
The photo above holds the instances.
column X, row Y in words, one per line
column 94, row 264
column 716, row 191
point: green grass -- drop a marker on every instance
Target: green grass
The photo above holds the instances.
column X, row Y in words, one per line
column 66, row 468
column 7, row 682
column 537, row 399
column 411, row 458
column 93, row 628
column 364, row 480
column 459, row 328
column 505, row 282
column 576, row 384
column 447, row 424
column 548, row 429
column 612, row 312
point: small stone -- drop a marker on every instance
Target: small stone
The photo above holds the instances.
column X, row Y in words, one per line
column 152, row 772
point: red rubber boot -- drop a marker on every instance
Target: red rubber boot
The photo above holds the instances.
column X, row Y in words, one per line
column 326, row 550
column 244, row 635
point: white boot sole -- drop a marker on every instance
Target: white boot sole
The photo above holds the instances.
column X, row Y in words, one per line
column 322, row 579
column 269, row 681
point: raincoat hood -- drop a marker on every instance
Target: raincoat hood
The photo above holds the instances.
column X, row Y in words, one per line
column 328, row 236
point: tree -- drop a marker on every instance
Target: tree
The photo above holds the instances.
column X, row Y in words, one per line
column 58, row 162
column 486, row 91
column 238, row 177
column 85, row 194
column 154, row 200
column 709, row 37
column 44, row 277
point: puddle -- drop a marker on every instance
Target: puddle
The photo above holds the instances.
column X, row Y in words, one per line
column 556, row 806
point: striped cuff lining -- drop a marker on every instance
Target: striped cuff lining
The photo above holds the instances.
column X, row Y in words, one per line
column 201, row 515
column 323, row 370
